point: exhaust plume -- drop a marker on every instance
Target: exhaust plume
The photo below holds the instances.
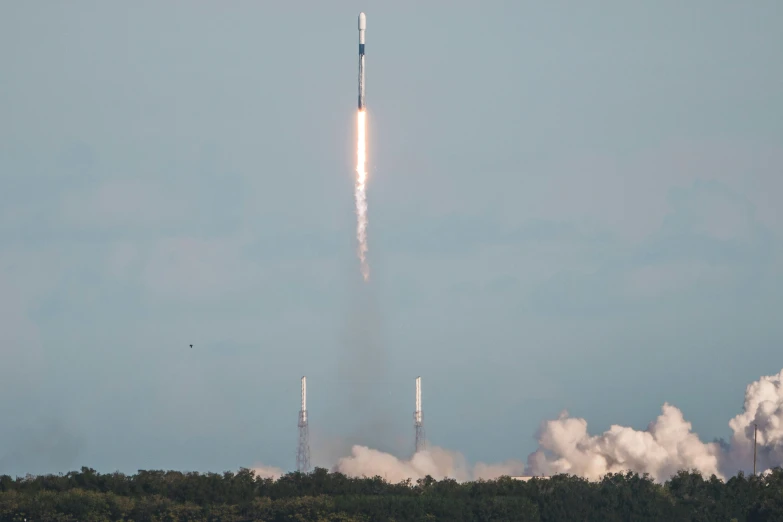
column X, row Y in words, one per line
column 360, row 191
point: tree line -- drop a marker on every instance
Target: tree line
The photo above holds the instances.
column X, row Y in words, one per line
column 89, row 496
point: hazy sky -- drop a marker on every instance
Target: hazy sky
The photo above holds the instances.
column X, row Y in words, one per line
column 571, row 206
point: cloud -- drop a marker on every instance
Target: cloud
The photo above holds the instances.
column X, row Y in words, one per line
column 186, row 268
column 459, row 235
column 123, row 260
column 122, row 203
column 712, row 210
column 652, row 281
column 709, row 242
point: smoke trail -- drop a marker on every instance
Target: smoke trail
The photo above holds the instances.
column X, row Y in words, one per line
column 362, row 379
column 360, row 192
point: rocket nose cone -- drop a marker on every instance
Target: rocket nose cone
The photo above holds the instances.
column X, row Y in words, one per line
column 362, row 21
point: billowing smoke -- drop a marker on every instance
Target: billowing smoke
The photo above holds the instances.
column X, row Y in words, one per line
column 668, row 444
column 764, row 408
column 565, row 446
column 267, row 471
column 436, row 462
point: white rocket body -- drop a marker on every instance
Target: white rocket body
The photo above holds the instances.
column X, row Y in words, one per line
column 362, row 27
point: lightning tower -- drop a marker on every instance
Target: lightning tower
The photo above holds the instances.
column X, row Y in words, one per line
column 303, row 451
column 418, row 421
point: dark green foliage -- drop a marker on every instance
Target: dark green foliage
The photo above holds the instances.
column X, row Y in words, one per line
column 169, row 496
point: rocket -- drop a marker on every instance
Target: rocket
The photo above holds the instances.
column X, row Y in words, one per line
column 362, row 27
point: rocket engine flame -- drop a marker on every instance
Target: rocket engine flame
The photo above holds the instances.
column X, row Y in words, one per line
column 361, row 191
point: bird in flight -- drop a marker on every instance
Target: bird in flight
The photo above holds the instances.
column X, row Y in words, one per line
column 191, row 346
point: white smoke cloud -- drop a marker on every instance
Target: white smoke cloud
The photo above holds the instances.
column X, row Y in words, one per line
column 436, row 462
column 510, row 468
column 267, row 471
column 764, row 408
column 668, row 444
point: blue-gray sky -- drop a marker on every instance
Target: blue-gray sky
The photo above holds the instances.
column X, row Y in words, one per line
column 571, row 206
